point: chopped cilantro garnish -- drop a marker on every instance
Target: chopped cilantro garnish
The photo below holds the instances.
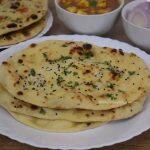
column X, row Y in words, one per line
column 62, row 58
column 88, row 54
column 72, row 65
column 121, row 91
column 52, row 85
column 112, row 96
column 70, row 82
column 73, row 85
column 94, row 86
column 29, row 82
column 115, row 71
column 106, row 63
column 110, row 85
column 59, row 80
column 64, row 45
column 45, row 55
column 131, row 73
column 66, row 72
column 75, row 73
column 42, row 111
column 65, row 58
column 93, row 3
column 32, row 72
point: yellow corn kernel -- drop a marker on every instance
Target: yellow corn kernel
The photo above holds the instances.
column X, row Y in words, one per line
column 84, row 3
column 81, row 12
column 72, row 9
column 102, row 4
column 103, row 11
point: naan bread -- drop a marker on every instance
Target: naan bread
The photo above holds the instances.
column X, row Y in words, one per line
column 54, row 125
column 67, row 75
column 23, row 34
column 12, row 104
column 17, row 14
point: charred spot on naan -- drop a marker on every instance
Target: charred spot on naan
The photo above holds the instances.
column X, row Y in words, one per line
column 85, row 51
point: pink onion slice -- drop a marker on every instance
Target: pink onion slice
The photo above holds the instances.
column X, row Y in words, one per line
column 140, row 15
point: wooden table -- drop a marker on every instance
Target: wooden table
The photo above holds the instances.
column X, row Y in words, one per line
column 141, row 142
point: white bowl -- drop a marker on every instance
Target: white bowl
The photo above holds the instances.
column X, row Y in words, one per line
column 138, row 35
column 88, row 24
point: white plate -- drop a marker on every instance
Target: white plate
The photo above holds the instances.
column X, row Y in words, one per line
column 49, row 22
column 105, row 135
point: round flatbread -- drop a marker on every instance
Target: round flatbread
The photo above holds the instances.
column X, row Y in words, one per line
column 54, row 125
column 12, row 104
column 23, row 34
column 17, row 14
column 67, row 75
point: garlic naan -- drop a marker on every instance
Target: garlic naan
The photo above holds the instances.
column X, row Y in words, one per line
column 67, row 75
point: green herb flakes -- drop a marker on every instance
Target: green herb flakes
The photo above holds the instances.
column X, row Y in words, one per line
column 29, row 82
column 110, row 85
column 72, row 85
column 66, row 72
column 121, row 91
column 131, row 73
column 32, row 72
column 106, row 63
column 42, row 111
column 94, row 86
column 88, row 55
column 75, row 73
column 45, row 56
column 64, row 45
column 112, row 96
column 65, row 58
column 93, row 3
column 75, row 84
column 59, row 80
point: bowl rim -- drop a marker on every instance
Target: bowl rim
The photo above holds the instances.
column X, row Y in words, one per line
column 124, row 11
column 82, row 15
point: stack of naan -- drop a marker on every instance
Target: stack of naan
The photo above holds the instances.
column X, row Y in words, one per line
column 66, row 86
column 21, row 20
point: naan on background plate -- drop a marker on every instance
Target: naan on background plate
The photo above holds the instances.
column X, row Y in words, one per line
column 23, row 34
column 17, row 14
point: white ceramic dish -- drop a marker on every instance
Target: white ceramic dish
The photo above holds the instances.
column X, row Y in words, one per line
column 105, row 135
column 138, row 35
column 49, row 22
column 88, row 24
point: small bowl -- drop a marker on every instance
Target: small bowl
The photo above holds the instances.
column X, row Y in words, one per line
column 138, row 35
column 88, row 24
